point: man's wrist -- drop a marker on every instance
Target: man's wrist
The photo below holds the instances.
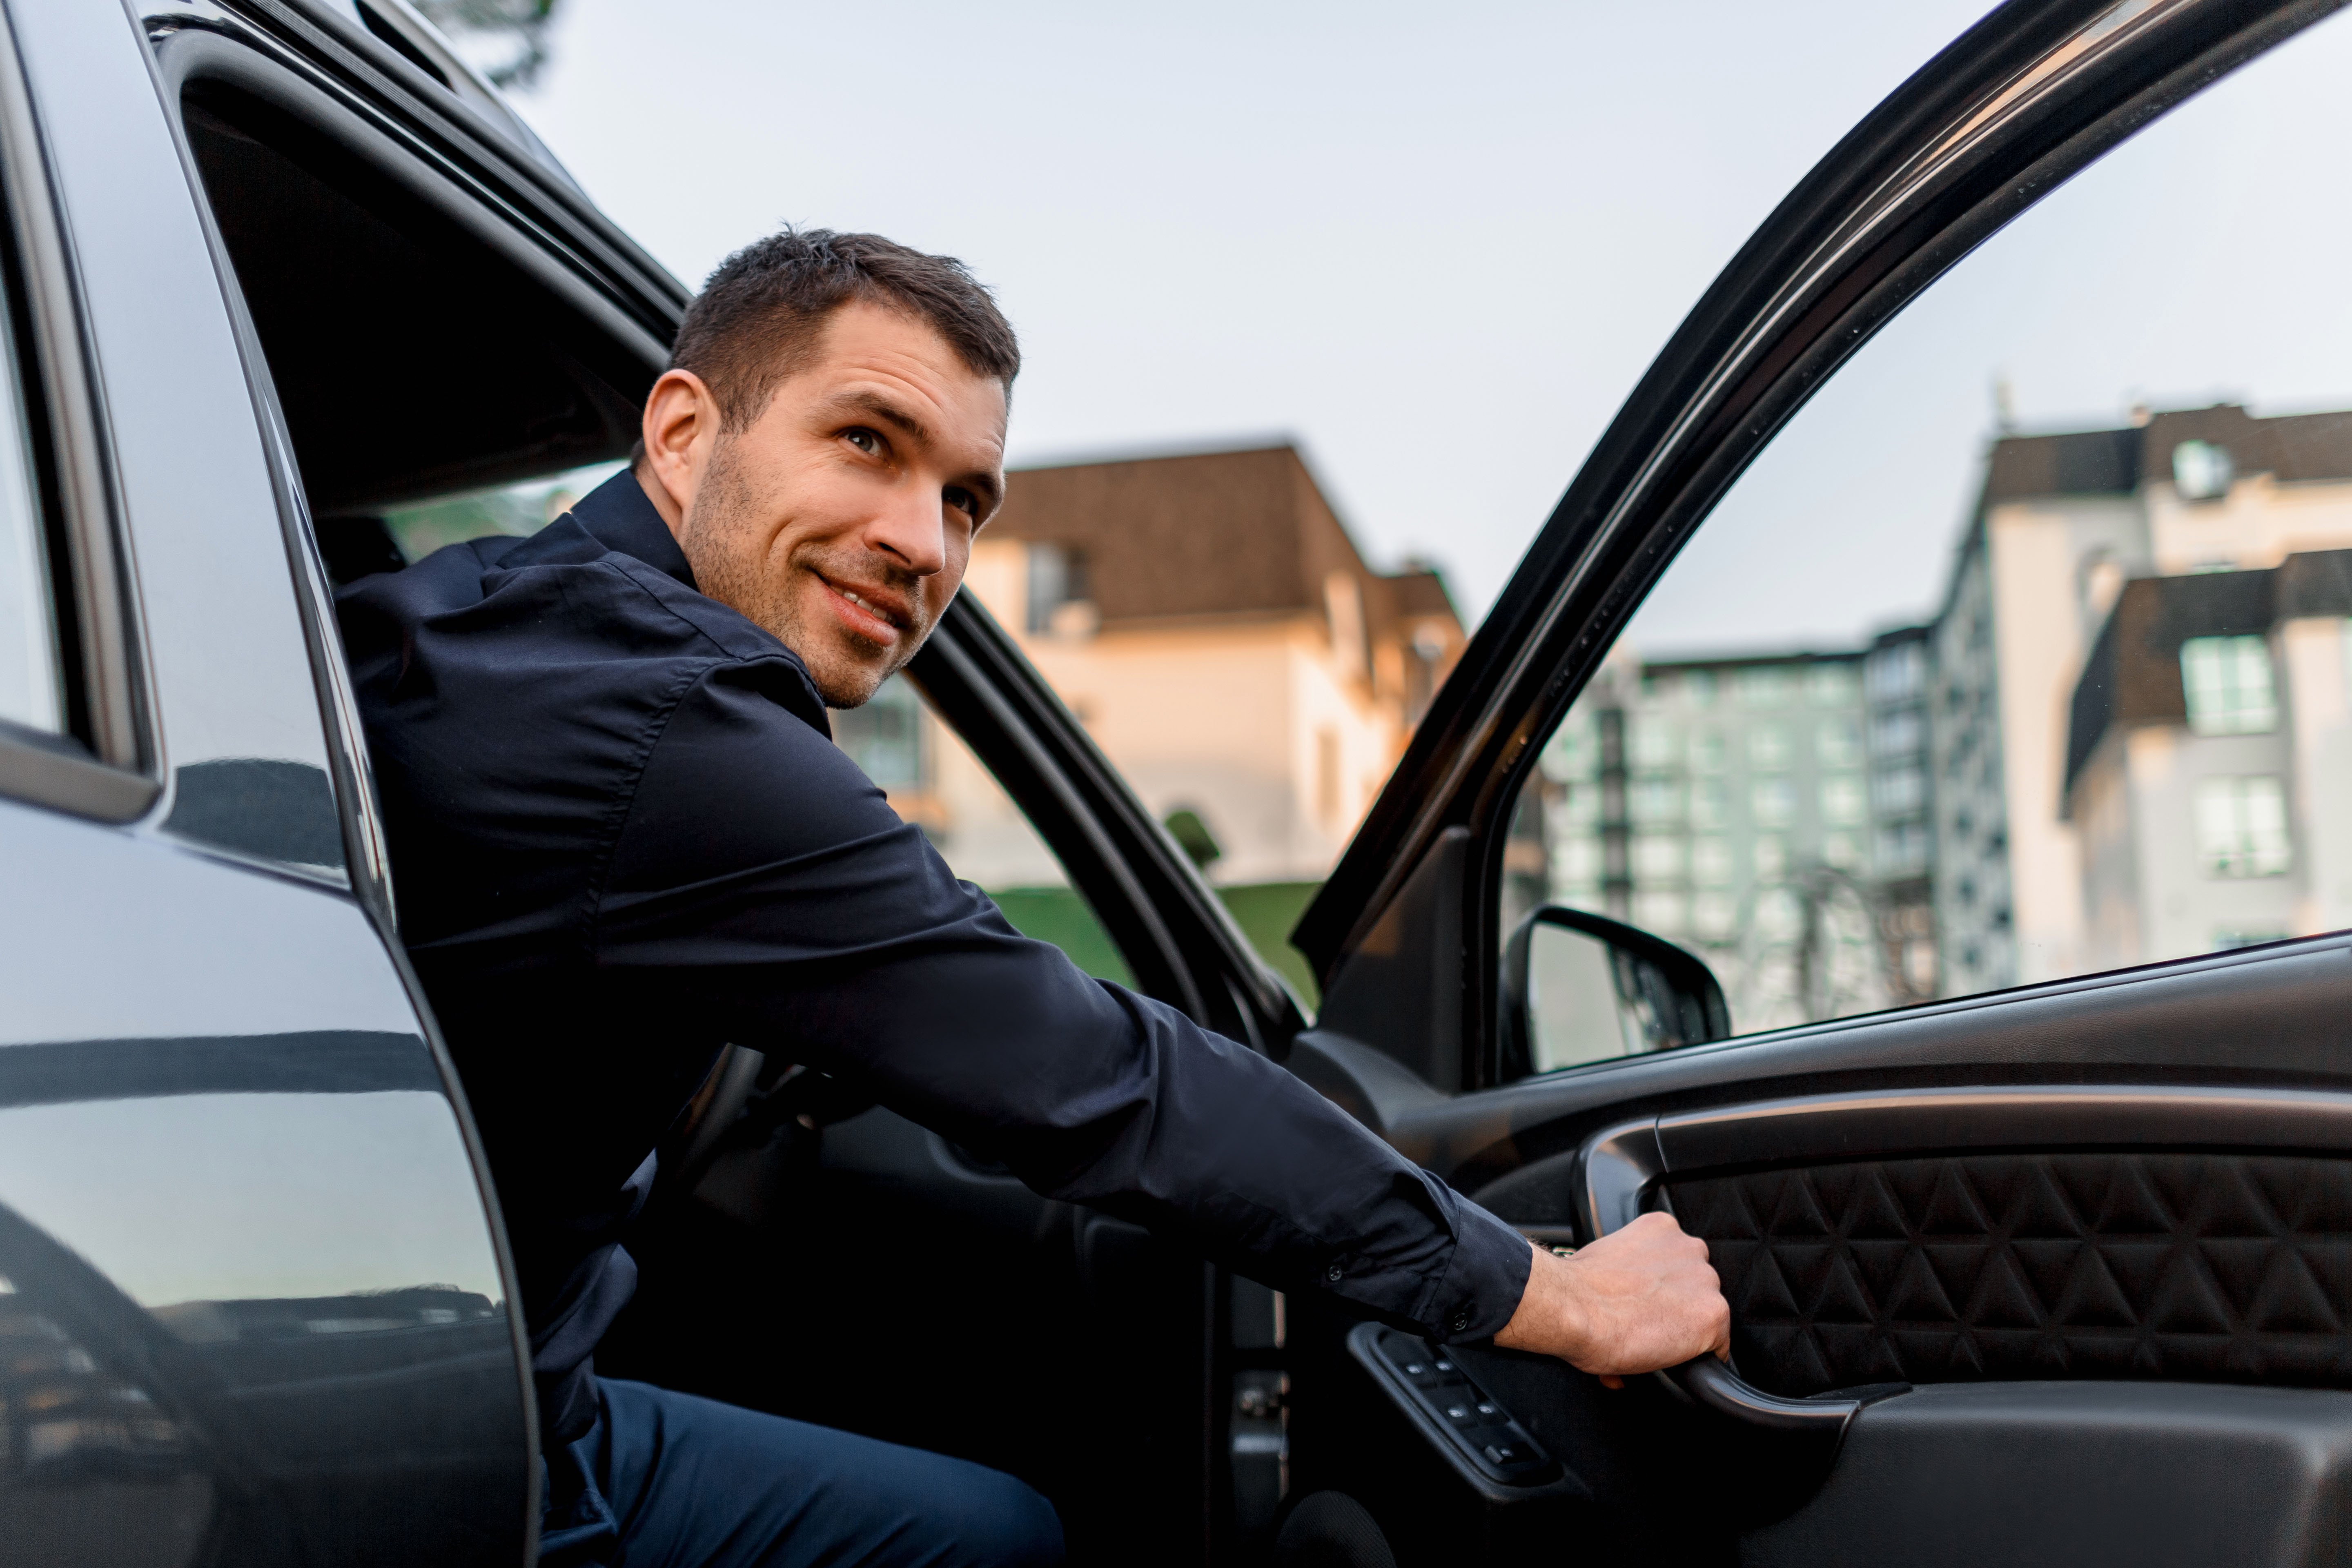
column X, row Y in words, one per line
column 1551, row 1318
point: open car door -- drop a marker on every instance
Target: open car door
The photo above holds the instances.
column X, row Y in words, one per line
column 1935, row 897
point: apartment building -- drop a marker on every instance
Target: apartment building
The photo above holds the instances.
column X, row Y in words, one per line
column 2096, row 534
column 1768, row 810
column 2209, row 741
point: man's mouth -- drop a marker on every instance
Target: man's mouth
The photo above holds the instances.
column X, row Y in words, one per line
column 874, row 611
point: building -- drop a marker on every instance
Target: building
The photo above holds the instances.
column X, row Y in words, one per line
column 1768, row 810
column 2065, row 529
column 2125, row 735
column 1210, row 621
column 2209, row 750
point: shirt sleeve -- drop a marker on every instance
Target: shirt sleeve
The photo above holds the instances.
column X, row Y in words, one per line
column 761, row 881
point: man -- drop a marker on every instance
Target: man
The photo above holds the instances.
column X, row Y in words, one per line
column 621, row 838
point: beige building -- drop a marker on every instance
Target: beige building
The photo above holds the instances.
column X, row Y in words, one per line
column 1210, row 621
column 2067, row 806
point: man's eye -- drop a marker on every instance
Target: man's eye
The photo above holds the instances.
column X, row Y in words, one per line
column 962, row 500
column 865, row 441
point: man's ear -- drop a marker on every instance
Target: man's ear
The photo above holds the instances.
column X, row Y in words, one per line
column 679, row 429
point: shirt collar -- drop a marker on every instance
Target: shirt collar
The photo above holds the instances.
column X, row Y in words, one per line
column 621, row 518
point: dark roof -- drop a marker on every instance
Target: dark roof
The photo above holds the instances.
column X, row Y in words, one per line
column 2316, row 583
column 1205, row 533
column 2090, row 462
column 2290, row 447
column 2133, row 675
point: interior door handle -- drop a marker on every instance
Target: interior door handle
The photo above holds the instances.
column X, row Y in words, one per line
column 1710, row 1382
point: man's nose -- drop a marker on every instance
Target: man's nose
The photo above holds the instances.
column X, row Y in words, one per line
column 912, row 529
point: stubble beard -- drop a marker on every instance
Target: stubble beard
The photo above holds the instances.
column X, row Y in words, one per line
column 726, row 543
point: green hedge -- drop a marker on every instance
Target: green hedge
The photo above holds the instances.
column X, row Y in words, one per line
column 1265, row 910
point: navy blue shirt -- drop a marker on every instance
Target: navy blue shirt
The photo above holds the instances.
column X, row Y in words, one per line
column 621, row 835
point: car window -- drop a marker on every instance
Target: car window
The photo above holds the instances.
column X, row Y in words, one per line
column 32, row 690
column 936, row 782
column 2023, row 651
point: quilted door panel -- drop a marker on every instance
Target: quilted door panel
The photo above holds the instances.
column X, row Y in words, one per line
column 2212, row 1268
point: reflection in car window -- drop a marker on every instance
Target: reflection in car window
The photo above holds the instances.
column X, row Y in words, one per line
column 519, row 509
column 2020, row 653
column 30, row 692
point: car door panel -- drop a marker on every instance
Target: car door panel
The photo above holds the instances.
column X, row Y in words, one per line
column 256, row 1305
column 256, row 1308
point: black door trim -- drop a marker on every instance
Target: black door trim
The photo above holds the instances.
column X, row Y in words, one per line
column 2281, row 1014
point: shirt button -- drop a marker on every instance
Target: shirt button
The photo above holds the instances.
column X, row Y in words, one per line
column 1332, row 1274
column 1462, row 1319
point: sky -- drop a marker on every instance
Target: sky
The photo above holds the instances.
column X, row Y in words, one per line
column 1438, row 246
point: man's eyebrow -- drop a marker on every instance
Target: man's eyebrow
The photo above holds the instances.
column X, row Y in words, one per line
column 882, row 408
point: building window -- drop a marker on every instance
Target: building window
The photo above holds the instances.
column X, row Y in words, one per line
column 1839, row 744
column 1771, row 858
column 1899, row 732
column 2241, row 827
column 1580, row 862
column 1658, row 857
column 1571, row 754
column 1711, row 861
column 1763, row 686
column 1709, row 803
column 1698, row 687
column 1654, row 745
column 1903, row 849
column 1767, row 747
column 1833, row 685
column 885, row 737
column 1058, row 577
column 1706, row 745
column 1842, row 850
column 1660, row 912
column 2228, row 683
column 1842, row 798
column 1901, row 791
column 1774, row 802
column 1657, row 800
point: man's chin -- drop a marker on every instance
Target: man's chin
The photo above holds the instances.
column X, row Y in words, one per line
column 850, row 687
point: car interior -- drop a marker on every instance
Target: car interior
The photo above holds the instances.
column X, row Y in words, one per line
column 2060, row 1266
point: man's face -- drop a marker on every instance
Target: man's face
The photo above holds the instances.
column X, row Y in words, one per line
column 842, row 520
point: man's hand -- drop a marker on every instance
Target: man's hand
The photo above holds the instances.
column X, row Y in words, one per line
column 1637, row 1300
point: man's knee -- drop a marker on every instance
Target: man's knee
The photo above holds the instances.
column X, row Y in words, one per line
column 997, row 1521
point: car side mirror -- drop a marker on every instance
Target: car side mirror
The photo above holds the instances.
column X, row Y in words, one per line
column 1581, row 987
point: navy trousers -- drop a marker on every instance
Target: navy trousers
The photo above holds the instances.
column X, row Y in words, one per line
column 668, row 1481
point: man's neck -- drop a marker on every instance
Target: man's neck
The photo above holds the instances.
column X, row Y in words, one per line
column 663, row 502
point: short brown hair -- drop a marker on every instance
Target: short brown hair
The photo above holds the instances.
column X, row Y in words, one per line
column 759, row 317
